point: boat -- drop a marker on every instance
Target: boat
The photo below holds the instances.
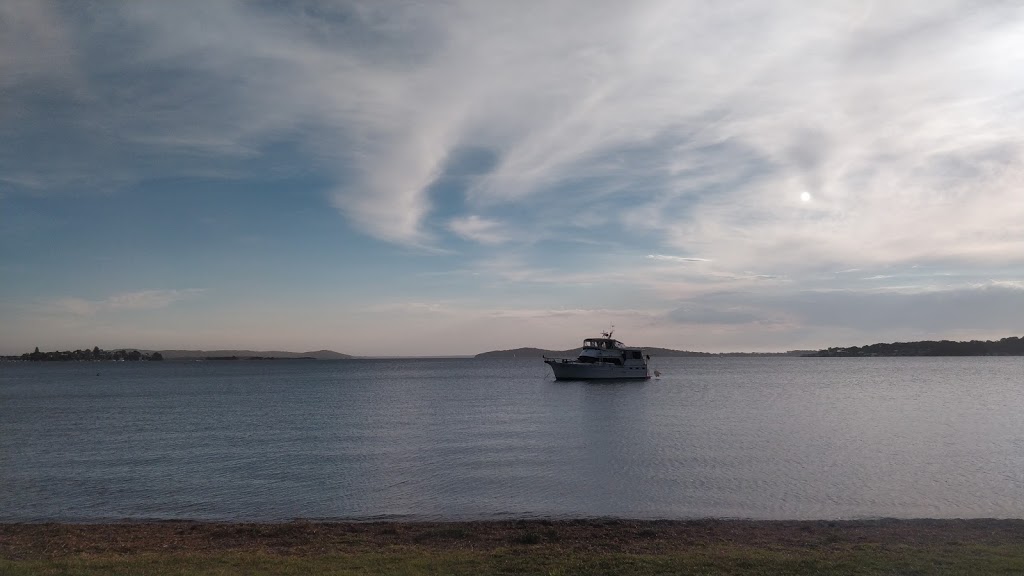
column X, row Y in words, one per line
column 603, row 358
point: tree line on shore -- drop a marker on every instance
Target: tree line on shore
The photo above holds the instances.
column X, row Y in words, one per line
column 1012, row 346
column 89, row 355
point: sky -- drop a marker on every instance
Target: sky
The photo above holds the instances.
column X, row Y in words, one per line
column 452, row 177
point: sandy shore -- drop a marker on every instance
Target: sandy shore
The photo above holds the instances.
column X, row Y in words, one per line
column 594, row 536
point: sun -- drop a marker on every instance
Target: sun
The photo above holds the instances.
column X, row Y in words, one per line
column 805, row 196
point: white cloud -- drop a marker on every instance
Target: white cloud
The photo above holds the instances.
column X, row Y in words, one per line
column 900, row 120
column 141, row 300
column 416, row 308
column 34, row 45
column 75, row 306
column 667, row 258
column 149, row 299
column 650, row 128
column 478, row 229
column 1012, row 284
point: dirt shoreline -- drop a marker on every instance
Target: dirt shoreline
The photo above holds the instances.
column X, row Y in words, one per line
column 26, row 541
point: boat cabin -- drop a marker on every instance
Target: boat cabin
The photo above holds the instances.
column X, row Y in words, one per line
column 609, row 351
column 603, row 344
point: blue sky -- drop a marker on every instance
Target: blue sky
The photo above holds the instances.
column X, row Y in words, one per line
column 384, row 178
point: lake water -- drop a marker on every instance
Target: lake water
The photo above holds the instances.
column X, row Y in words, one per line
column 773, row 438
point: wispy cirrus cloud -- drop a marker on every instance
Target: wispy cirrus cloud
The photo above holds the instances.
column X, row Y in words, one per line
column 479, row 229
column 777, row 141
column 893, row 118
column 668, row 258
column 124, row 301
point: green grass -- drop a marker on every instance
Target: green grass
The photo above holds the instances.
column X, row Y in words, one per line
column 542, row 547
column 541, row 560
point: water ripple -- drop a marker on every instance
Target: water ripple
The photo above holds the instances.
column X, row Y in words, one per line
column 472, row 439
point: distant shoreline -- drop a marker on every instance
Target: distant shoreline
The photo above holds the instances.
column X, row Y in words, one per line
column 133, row 354
column 1011, row 346
column 652, row 351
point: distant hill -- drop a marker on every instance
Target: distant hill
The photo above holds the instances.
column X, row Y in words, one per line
column 247, row 354
column 659, row 352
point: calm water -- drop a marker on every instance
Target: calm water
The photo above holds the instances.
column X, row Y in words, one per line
column 456, row 439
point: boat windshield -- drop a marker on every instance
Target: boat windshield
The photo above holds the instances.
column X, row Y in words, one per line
column 602, row 343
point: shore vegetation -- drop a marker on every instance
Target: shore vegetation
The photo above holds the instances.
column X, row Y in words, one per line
column 94, row 355
column 1012, row 346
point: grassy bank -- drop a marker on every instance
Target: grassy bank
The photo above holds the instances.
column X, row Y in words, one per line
column 532, row 547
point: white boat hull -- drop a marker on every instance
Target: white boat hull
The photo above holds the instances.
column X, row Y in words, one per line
column 573, row 370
